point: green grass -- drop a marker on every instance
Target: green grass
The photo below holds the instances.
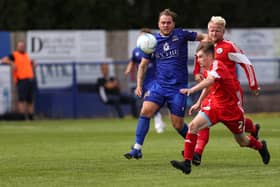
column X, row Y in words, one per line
column 90, row 153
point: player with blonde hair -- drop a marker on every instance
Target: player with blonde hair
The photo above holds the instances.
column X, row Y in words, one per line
column 220, row 88
column 230, row 55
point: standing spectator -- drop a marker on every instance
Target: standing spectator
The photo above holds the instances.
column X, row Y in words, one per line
column 23, row 76
column 109, row 91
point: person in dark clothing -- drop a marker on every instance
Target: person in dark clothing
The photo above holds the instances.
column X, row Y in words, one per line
column 109, row 91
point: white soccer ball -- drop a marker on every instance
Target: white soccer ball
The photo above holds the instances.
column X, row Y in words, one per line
column 147, row 43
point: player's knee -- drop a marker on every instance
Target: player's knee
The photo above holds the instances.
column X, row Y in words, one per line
column 146, row 112
column 193, row 128
column 177, row 122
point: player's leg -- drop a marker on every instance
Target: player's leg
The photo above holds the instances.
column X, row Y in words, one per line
column 159, row 123
column 147, row 111
column 252, row 128
column 199, row 122
column 237, row 128
column 176, row 103
column 202, row 140
column 179, row 124
column 251, row 142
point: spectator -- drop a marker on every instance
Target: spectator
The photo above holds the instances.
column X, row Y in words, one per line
column 109, row 91
column 23, row 76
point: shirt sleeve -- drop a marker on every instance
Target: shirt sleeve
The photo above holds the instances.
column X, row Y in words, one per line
column 248, row 68
column 196, row 67
column 189, row 35
column 11, row 57
column 215, row 70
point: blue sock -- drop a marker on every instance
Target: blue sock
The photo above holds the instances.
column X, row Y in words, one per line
column 142, row 129
column 183, row 131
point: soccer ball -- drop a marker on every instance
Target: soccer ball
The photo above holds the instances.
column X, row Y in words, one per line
column 147, row 43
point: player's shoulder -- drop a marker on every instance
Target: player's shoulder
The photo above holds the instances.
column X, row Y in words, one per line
column 180, row 30
column 227, row 46
column 228, row 43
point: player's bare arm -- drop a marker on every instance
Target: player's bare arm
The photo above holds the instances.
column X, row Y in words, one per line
column 198, row 77
column 129, row 68
column 196, row 106
column 142, row 68
column 203, row 84
column 202, row 37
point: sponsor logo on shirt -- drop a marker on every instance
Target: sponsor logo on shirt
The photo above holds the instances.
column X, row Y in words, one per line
column 167, row 52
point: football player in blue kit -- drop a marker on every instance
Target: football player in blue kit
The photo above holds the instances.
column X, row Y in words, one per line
column 171, row 56
column 135, row 59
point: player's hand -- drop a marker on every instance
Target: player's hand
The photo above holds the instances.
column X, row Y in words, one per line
column 186, row 91
column 138, row 91
column 256, row 92
column 126, row 72
column 193, row 108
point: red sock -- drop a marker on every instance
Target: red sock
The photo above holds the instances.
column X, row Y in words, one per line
column 249, row 126
column 202, row 140
column 254, row 143
column 190, row 142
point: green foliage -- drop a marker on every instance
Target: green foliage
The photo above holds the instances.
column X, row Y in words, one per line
column 90, row 153
column 132, row 14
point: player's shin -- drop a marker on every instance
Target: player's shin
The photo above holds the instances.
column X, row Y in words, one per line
column 189, row 146
column 249, row 126
column 202, row 140
column 183, row 130
column 142, row 130
column 254, row 143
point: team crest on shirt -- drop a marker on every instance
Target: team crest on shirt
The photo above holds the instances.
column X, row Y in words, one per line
column 219, row 50
column 174, row 38
column 166, row 47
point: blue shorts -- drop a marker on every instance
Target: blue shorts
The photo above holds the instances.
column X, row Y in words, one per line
column 176, row 102
column 146, row 87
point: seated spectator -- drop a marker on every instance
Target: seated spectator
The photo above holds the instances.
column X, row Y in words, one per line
column 109, row 91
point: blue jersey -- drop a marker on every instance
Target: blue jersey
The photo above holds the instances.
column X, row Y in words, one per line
column 137, row 55
column 171, row 56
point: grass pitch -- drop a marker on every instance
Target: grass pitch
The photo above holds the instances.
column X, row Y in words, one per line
column 90, row 153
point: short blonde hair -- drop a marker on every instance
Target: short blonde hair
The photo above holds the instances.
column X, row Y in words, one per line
column 217, row 20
